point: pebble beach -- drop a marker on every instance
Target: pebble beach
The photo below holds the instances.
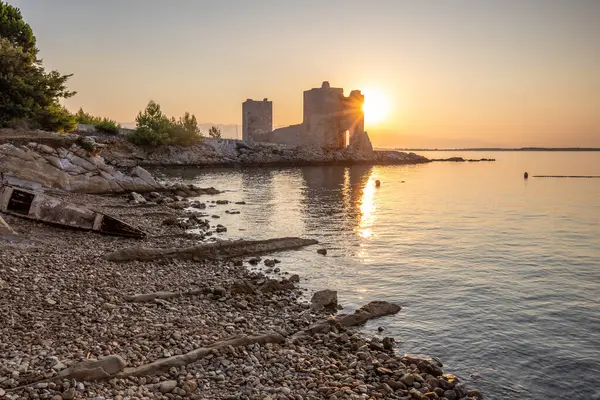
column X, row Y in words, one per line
column 62, row 302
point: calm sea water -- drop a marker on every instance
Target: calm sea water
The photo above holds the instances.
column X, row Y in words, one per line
column 497, row 276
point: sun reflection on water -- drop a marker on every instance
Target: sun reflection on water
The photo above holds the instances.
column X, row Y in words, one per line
column 367, row 210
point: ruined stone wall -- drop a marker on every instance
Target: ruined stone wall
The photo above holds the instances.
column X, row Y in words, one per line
column 329, row 116
column 257, row 118
column 293, row 135
column 323, row 108
column 330, row 121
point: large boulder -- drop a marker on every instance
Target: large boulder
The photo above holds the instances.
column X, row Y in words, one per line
column 325, row 298
column 72, row 169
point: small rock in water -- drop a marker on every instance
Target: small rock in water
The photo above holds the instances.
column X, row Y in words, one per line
column 388, row 343
column 326, row 298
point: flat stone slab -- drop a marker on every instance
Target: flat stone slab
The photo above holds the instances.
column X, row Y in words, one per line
column 211, row 251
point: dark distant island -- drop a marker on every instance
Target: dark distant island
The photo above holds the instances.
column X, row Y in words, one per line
column 508, row 149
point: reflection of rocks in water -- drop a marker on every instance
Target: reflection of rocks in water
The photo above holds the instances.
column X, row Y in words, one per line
column 332, row 196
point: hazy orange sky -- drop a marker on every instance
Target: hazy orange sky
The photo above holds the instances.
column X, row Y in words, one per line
column 455, row 73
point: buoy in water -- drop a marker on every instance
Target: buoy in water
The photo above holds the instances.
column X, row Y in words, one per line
column 526, row 175
column 377, row 183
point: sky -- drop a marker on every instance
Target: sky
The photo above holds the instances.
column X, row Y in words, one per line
column 462, row 73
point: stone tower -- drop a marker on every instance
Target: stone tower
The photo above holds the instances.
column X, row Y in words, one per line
column 257, row 119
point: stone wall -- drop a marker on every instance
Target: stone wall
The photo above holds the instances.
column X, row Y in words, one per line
column 257, row 118
column 330, row 122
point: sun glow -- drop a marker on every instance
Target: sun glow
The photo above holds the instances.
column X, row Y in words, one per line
column 376, row 106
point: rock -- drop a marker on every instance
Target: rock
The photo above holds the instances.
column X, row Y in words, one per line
column 69, row 394
column 70, row 169
column 397, row 385
column 327, row 298
column 212, row 251
column 221, row 228
column 137, row 197
column 450, row 395
column 269, row 263
column 190, row 386
column 407, row 379
column 177, row 205
column 322, row 251
column 475, row 394
column 170, row 221
column 388, row 343
column 154, row 195
column 294, row 278
column 145, row 176
column 242, row 287
column 219, row 291
column 222, row 201
column 271, row 285
column 167, row 386
column 90, row 370
column 415, row 394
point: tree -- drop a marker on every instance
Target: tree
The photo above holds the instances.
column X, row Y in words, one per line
column 15, row 30
column 214, row 132
column 28, row 94
column 185, row 132
column 154, row 128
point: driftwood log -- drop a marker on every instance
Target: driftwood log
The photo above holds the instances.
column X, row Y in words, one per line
column 194, row 355
column 113, row 366
column 210, row 251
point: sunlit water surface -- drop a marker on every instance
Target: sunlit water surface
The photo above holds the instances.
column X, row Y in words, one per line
column 497, row 276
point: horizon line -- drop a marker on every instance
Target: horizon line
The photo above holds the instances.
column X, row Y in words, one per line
column 528, row 148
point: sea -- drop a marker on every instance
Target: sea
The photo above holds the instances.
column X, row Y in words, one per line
column 498, row 276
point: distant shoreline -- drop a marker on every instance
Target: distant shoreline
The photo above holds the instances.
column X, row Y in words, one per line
column 507, row 149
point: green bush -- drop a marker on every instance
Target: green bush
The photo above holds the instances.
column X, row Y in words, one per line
column 214, row 132
column 154, row 128
column 105, row 125
column 28, row 94
column 185, row 132
column 87, row 145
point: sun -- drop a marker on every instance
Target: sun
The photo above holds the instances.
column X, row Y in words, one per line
column 376, row 106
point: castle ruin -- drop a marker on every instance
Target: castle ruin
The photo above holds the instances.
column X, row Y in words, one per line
column 331, row 121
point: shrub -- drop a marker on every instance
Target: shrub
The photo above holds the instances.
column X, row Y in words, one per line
column 214, row 132
column 105, row 125
column 108, row 126
column 87, row 145
column 154, row 128
column 185, row 132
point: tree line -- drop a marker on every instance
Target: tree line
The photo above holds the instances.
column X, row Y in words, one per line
column 30, row 95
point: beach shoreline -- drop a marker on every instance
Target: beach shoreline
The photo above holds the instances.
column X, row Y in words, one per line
column 64, row 303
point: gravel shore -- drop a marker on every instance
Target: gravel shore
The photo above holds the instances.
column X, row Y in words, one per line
column 61, row 302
